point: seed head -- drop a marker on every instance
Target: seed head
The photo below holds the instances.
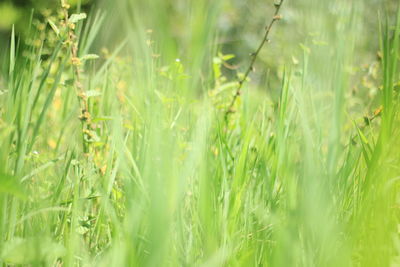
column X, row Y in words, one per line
column 76, row 61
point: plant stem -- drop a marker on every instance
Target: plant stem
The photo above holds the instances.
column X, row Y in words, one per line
column 85, row 116
column 254, row 56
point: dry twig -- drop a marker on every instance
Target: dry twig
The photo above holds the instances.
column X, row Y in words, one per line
column 254, row 56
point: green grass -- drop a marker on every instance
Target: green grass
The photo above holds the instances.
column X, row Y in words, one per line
column 304, row 172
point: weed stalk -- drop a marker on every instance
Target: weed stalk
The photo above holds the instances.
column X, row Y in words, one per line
column 72, row 45
column 254, row 56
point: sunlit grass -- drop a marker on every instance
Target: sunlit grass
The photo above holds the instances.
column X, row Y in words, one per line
column 154, row 174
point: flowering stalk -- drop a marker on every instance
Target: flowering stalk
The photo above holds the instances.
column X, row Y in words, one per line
column 72, row 44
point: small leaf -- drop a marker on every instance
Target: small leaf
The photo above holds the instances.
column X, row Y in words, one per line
column 77, row 17
column 217, row 60
column 54, row 27
column 89, row 57
column 92, row 93
column 362, row 136
column 228, row 57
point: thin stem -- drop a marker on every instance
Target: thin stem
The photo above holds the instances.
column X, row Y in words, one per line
column 254, row 56
column 85, row 116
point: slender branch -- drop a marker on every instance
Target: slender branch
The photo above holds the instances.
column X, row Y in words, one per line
column 254, row 56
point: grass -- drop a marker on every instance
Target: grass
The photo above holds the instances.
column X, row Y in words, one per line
column 126, row 158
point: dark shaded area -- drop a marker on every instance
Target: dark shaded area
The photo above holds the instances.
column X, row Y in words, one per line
column 18, row 13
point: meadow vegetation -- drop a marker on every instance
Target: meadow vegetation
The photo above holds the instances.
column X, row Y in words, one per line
column 155, row 133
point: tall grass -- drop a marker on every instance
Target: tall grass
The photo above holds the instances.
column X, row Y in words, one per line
column 159, row 176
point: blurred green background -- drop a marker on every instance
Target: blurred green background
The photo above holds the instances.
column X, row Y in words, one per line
column 239, row 26
column 284, row 183
column 240, row 23
column 237, row 29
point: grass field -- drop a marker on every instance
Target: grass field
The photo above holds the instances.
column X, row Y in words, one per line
column 133, row 136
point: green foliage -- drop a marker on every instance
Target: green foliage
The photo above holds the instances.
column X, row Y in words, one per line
column 148, row 172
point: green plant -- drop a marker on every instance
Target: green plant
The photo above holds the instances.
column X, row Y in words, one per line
column 155, row 176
